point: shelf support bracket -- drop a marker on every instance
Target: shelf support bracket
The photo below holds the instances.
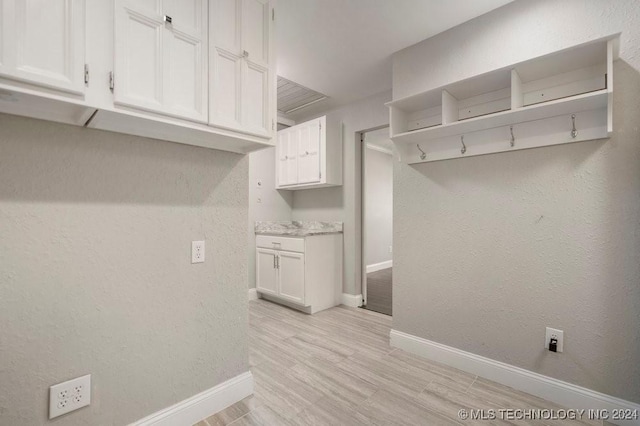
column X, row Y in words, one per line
column 574, row 132
column 464, row 147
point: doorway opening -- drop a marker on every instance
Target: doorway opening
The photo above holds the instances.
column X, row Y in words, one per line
column 377, row 220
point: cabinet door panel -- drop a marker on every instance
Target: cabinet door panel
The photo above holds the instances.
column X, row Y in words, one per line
column 255, row 30
column 256, row 98
column 292, row 157
column 281, row 158
column 225, row 25
column 185, row 14
column 291, row 270
column 226, row 64
column 266, row 277
column 43, row 42
column 309, row 153
column 138, row 55
column 226, row 89
column 185, row 68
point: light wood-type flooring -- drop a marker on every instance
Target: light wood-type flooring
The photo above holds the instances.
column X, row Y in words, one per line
column 379, row 291
column 336, row 368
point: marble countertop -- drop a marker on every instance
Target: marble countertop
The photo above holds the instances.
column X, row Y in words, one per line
column 298, row 229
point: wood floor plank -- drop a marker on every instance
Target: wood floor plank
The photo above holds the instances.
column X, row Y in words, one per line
column 379, row 291
column 330, row 411
column 346, row 386
column 389, row 408
column 234, row 412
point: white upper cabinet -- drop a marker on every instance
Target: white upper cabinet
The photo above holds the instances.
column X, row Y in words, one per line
column 309, row 155
column 42, row 43
column 142, row 67
column 160, row 58
column 241, row 62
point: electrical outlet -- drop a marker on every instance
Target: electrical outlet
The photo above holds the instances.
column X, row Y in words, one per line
column 197, row 251
column 557, row 334
column 69, row 396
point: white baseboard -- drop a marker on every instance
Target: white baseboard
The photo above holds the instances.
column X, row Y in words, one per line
column 200, row 406
column 379, row 266
column 554, row 390
column 352, row 300
column 253, row 294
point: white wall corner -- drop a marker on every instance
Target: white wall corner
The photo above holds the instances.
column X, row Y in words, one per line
column 253, row 294
column 352, row 300
column 379, row 266
column 554, row 390
column 200, row 406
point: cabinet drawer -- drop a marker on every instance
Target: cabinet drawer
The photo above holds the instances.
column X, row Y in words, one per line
column 280, row 243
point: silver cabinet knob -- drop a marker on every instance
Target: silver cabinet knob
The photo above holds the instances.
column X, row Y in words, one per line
column 245, row 54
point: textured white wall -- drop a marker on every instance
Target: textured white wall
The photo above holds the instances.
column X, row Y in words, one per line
column 274, row 205
column 378, row 206
column 492, row 249
column 95, row 272
column 342, row 203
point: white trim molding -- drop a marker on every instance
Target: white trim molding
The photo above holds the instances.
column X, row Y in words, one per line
column 253, row 294
column 200, row 406
column 352, row 300
column 554, row 390
column 379, row 266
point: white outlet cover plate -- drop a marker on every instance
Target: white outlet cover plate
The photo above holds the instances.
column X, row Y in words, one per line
column 559, row 335
column 69, row 396
column 197, row 251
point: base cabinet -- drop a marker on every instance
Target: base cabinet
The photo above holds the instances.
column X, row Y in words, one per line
column 303, row 273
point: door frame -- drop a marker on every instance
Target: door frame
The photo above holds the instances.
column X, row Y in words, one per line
column 361, row 184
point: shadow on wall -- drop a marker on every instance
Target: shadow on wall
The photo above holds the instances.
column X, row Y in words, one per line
column 44, row 161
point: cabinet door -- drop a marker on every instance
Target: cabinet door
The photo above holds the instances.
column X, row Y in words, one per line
column 266, row 277
column 282, row 152
column 291, row 271
column 255, row 100
column 255, row 49
column 226, row 63
column 185, row 59
column 286, row 157
column 42, row 42
column 255, row 74
column 138, row 65
column 309, row 152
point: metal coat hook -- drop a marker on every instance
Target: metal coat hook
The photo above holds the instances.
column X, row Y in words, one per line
column 423, row 155
column 574, row 132
column 464, row 147
column 513, row 138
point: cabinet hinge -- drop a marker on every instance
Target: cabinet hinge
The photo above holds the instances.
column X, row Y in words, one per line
column 273, row 14
column 111, row 82
column 86, row 73
column 273, row 124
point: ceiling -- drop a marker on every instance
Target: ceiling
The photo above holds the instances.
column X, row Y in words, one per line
column 343, row 48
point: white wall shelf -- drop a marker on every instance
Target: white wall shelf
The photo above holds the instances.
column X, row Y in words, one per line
column 526, row 105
